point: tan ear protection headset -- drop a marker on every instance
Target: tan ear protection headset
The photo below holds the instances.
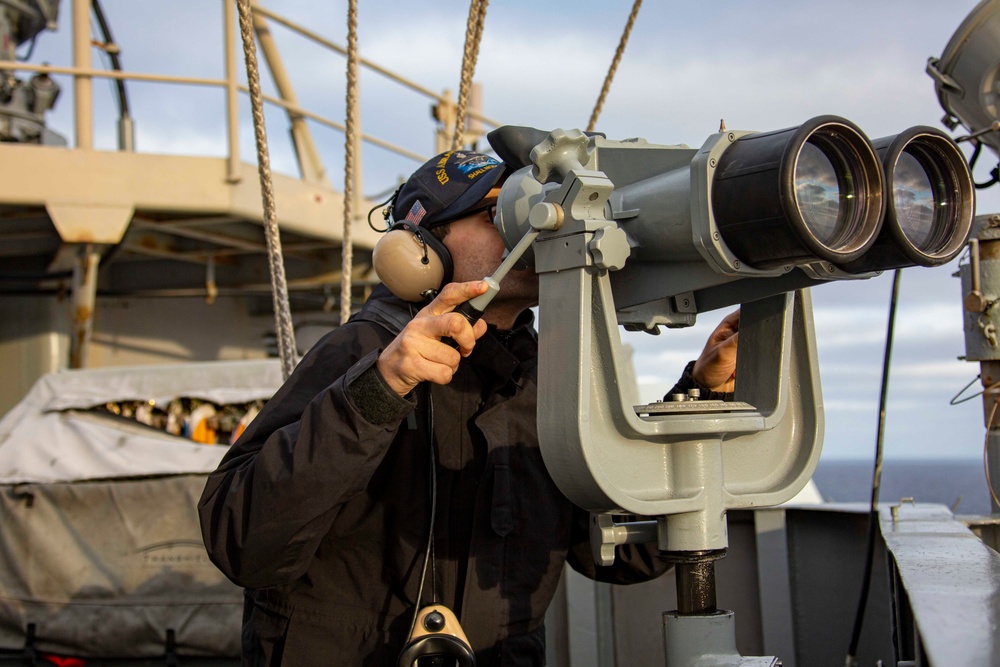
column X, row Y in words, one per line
column 412, row 262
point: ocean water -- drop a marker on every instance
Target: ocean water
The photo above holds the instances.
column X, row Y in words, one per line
column 957, row 484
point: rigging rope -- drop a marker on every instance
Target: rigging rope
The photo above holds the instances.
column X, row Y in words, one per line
column 279, row 287
column 350, row 141
column 614, row 66
column 473, row 36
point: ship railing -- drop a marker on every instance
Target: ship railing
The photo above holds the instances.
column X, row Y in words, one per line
column 83, row 73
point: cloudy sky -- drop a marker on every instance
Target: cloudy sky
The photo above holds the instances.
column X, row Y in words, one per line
column 760, row 66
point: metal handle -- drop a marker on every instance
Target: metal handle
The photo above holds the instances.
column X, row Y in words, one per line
column 974, row 301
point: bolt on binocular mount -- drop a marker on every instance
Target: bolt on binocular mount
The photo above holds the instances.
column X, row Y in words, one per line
column 640, row 235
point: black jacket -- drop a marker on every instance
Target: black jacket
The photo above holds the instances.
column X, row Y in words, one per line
column 322, row 515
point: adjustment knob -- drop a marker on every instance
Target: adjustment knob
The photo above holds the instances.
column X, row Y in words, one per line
column 610, row 248
column 561, row 152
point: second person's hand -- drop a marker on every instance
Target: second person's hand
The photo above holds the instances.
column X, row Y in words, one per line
column 715, row 368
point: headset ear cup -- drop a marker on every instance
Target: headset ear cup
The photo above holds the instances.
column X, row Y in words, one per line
column 411, row 262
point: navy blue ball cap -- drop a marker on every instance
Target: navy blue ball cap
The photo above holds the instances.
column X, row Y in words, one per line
column 445, row 187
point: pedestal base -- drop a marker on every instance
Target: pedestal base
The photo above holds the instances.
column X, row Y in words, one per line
column 706, row 641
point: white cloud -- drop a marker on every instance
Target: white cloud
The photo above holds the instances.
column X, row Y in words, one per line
column 936, row 370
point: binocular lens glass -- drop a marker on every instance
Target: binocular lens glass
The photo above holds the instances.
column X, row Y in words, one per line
column 825, row 195
column 916, row 200
column 818, row 195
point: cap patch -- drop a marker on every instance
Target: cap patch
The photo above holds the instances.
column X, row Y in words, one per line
column 472, row 165
column 416, row 213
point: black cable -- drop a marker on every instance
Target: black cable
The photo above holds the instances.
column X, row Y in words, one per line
column 106, row 63
column 974, row 158
column 115, row 62
column 994, row 173
column 994, row 179
column 385, row 214
column 31, row 49
column 859, row 615
column 429, row 550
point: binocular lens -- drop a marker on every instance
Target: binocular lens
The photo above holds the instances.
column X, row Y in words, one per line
column 795, row 195
column 826, row 194
column 931, row 206
column 915, row 200
column 818, row 194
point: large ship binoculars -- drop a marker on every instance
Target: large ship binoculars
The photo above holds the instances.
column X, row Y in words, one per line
column 807, row 204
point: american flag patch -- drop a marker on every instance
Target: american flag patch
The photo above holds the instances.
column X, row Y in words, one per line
column 416, row 213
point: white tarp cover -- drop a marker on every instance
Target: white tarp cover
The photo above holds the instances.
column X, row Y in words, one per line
column 106, row 569
column 100, row 546
column 48, row 437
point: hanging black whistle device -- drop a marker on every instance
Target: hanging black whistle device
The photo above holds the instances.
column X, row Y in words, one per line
column 437, row 633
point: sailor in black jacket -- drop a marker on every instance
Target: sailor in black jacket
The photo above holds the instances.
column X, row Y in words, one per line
column 321, row 509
